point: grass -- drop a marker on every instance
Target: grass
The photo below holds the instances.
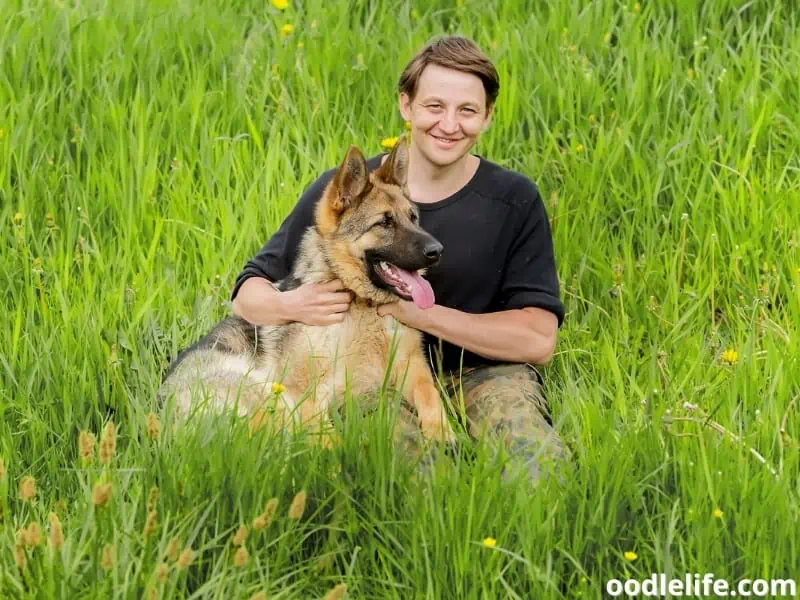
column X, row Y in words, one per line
column 148, row 149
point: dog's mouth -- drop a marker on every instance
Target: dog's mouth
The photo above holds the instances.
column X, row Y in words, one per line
column 409, row 285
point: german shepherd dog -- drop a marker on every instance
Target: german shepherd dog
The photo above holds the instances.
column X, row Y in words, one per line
column 366, row 234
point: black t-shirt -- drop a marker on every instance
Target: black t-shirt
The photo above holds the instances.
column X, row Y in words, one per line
column 498, row 250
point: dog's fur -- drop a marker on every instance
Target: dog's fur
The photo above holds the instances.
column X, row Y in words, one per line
column 362, row 219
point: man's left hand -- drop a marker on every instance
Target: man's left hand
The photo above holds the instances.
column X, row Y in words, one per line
column 406, row 312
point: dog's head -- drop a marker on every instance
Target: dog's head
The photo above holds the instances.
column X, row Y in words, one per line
column 371, row 233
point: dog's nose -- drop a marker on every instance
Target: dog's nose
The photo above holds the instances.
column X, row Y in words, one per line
column 433, row 250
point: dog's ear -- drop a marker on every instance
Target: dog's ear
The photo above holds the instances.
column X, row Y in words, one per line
column 395, row 169
column 350, row 181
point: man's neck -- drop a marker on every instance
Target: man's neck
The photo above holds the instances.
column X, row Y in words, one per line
column 429, row 183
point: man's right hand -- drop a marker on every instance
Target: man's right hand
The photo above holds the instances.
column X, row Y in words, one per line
column 318, row 303
column 312, row 303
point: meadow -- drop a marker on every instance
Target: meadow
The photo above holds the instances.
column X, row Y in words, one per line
column 149, row 148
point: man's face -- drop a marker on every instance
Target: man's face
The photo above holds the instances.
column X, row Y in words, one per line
column 447, row 114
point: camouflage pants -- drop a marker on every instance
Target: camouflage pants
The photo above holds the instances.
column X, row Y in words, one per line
column 505, row 405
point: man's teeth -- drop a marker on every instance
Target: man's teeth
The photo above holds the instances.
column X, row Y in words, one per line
column 383, row 265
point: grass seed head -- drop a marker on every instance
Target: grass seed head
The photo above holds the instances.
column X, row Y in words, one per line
column 242, row 557
column 27, row 488
column 56, row 532
column 298, row 506
column 86, row 441
column 240, row 536
column 108, row 443
column 337, row 593
column 101, row 494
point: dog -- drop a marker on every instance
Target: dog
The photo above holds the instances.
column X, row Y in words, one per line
column 366, row 233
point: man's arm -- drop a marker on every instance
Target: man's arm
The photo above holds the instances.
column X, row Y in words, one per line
column 526, row 335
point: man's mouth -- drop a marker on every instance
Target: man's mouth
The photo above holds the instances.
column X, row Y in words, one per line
column 446, row 141
column 409, row 285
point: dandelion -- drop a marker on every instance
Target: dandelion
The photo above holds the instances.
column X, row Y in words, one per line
column 265, row 518
column 107, row 559
column 579, row 148
column 86, row 440
column 287, row 29
column 56, row 537
column 630, row 556
column 27, row 488
column 18, row 219
column 172, row 548
column 717, row 513
column 730, row 356
column 241, row 557
column 278, row 388
column 101, row 494
column 153, row 426
column 489, row 542
column 389, row 142
column 240, row 537
column 298, row 506
column 337, row 593
column 108, row 443
column 280, row 4
column 185, row 559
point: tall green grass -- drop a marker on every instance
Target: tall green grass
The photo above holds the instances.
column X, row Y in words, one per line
column 148, row 149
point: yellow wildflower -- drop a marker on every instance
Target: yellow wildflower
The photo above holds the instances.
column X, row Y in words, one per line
column 389, row 142
column 579, row 148
column 19, row 218
column 489, row 542
column 717, row 513
column 630, row 555
column 278, row 388
column 287, row 29
column 298, row 506
column 280, row 4
column 27, row 488
column 407, row 125
column 730, row 356
column 241, row 557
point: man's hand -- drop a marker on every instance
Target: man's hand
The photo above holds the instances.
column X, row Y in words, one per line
column 406, row 312
column 313, row 303
column 317, row 303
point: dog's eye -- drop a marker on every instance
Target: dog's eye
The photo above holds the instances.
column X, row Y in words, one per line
column 388, row 219
column 414, row 218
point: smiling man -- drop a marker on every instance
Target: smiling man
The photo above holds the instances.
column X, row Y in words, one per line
column 497, row 307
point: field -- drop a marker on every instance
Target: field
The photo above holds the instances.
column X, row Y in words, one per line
column 148, row 149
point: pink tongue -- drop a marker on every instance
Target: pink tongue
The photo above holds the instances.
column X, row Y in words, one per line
column 421, row 291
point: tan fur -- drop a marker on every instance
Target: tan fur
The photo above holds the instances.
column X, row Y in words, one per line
column 315, row 363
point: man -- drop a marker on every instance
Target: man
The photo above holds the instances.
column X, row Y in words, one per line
column 498, row 308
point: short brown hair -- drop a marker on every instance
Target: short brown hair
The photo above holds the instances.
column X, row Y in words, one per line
column 452, row 52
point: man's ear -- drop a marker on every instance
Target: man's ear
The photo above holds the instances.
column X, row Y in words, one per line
column 350, row 180
column 404, row 103
column 395, row 169
column 489, row 115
